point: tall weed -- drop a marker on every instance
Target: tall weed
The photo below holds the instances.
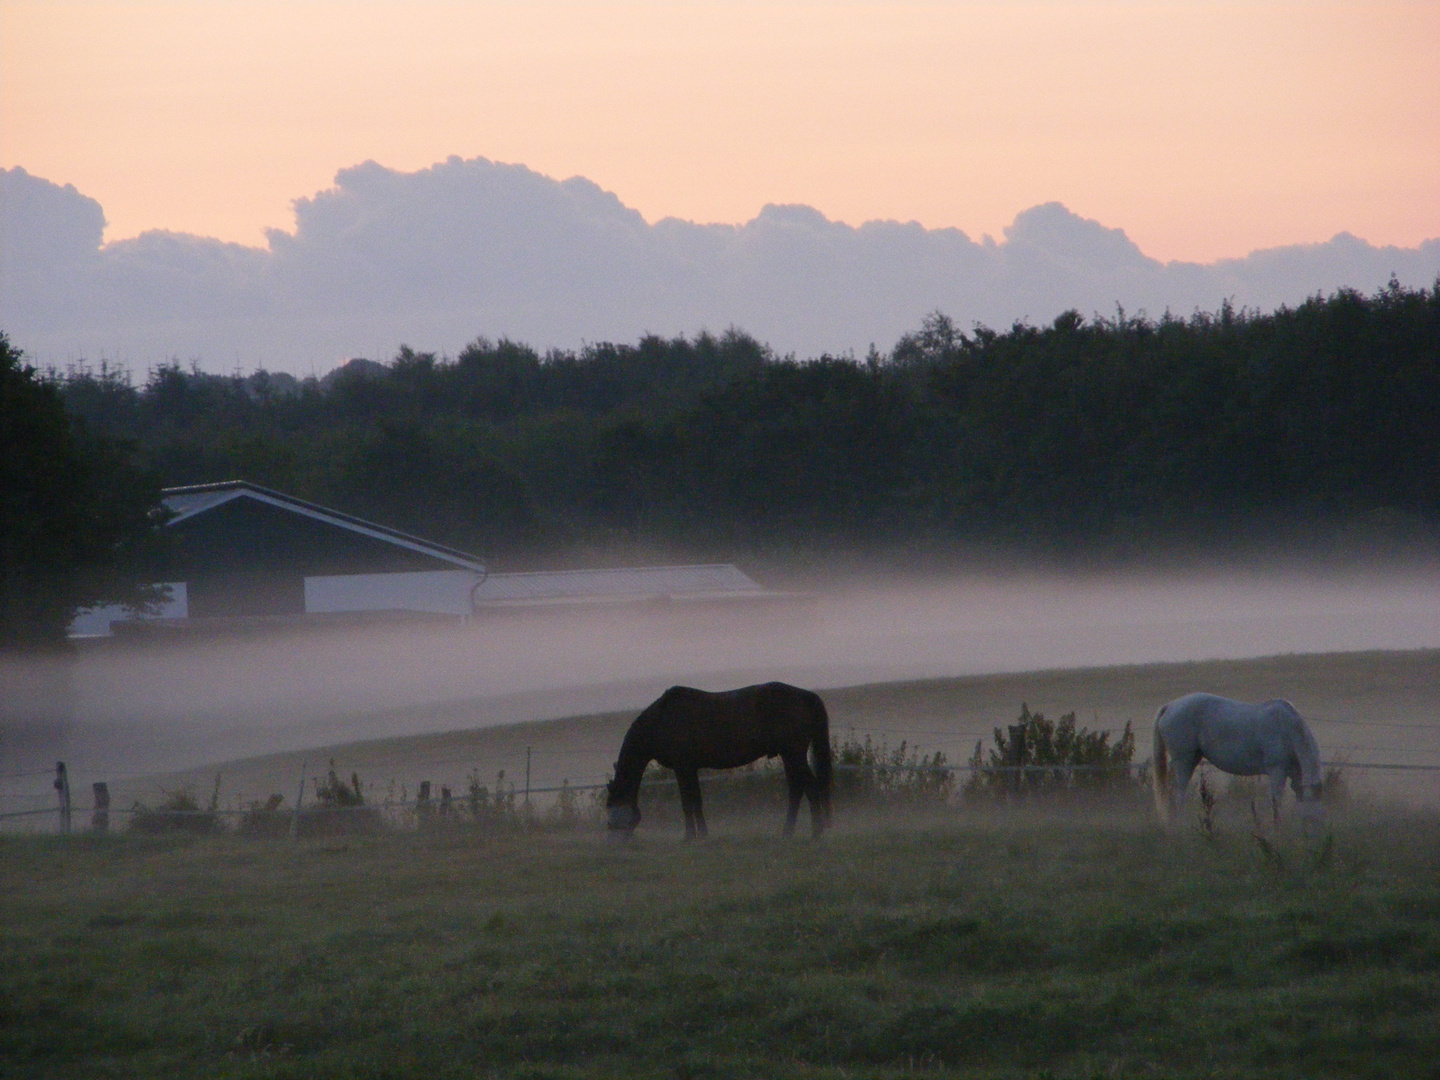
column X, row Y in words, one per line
column 1037, row 757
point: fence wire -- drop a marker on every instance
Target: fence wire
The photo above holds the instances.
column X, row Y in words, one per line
column 462, row 797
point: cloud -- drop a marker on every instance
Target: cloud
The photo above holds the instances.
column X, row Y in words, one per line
column 465, row 248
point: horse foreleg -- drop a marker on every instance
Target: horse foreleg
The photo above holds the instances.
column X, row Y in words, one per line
column 1277, row 791
column 689, row 781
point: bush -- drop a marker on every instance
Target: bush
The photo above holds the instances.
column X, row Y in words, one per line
column 340, row 809
column 265, row 820
column 867, row 774
column 179, row 812
column 495, row 808
column 1036, row 756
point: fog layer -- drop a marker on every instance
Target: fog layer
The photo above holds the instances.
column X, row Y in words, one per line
column 121, row 711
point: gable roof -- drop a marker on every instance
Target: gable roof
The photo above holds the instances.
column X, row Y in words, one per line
column 186, row 503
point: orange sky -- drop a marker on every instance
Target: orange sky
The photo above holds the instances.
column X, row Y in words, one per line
column 1203, row 129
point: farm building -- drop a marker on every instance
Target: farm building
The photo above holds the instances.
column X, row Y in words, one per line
column 244, row 552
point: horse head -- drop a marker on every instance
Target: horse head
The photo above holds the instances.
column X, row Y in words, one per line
column 1312, row 806
column 624, row 812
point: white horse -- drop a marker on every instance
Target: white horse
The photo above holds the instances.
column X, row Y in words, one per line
column 1236, row 737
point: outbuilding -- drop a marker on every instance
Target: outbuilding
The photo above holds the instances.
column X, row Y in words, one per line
column 243, row 554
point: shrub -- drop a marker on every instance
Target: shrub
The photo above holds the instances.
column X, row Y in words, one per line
column 1334, row 791
column 565, row 812
column 1036, row 756
column 874, row 775
column 178, row 812
column 340, row 808
column 265, row 820
column 497, row 808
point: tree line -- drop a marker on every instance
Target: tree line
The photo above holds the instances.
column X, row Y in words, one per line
column 1083, row 433
column 1118, row 434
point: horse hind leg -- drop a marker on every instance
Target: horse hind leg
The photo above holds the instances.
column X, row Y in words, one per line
column 690, row 802
column 1183, row 767
column 801, row 782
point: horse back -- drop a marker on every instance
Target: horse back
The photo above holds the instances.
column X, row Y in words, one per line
column 1237, row 736
column 729, row 728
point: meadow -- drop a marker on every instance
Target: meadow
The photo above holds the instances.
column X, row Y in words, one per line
column 1021, row 940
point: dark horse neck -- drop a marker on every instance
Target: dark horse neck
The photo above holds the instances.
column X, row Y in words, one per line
column 629, row 769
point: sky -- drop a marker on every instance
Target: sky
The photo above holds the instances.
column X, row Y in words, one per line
column 1206, row 130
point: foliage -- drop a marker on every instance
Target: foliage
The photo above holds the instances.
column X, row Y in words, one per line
column 179, row 811
column 1036, row 756
column 265, row 821
column 76, row 514
column 872, row 775
column 340, row 808
column 491, row 808
column 1317, row 424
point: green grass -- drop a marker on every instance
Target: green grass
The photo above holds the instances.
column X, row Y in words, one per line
column 1022, row 944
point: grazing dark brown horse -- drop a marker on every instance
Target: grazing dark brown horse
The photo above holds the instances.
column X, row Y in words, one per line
column 688, row 730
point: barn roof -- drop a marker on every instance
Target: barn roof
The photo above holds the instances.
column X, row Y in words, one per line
column 188, row 503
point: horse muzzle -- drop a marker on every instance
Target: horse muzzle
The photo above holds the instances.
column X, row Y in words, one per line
column 623, row 818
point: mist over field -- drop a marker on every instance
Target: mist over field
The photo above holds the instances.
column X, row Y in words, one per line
column 146, row 710
column 438, row 257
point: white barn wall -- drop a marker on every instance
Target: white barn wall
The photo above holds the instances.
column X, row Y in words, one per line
column 441, row 592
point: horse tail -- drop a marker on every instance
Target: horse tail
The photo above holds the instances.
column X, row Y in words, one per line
column 1308, row 755
column 820, row 751
column 1160, row 773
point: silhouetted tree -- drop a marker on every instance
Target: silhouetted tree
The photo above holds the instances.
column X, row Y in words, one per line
column 75, row 513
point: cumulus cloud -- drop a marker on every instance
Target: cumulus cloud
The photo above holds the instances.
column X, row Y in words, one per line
column 440, row 256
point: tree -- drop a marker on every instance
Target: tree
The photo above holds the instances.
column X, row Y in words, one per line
column 76, row 514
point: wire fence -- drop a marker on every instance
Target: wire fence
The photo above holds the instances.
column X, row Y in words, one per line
column 61, row 804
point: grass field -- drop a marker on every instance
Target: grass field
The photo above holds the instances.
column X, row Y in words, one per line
column 998, row 943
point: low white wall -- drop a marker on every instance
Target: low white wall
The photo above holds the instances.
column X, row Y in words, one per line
column 444, row 592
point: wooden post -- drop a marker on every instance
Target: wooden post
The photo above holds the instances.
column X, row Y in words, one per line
column 423, row 808
column 299, row 795
column 100, row 817
column 62, row 788
column 527, row 776
column 444, row 802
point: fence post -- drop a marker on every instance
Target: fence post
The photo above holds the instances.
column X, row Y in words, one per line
column 527, row 776
column 444, row 801
column 299, row 795
column 422, row 805
column 100, row 818
column 62, row 788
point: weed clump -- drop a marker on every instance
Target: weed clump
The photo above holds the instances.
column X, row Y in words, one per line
column 179, row 811
column 867, row 774
column 265, row 820
column 340, row 809
column 1040, row 757
column 493, row 808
